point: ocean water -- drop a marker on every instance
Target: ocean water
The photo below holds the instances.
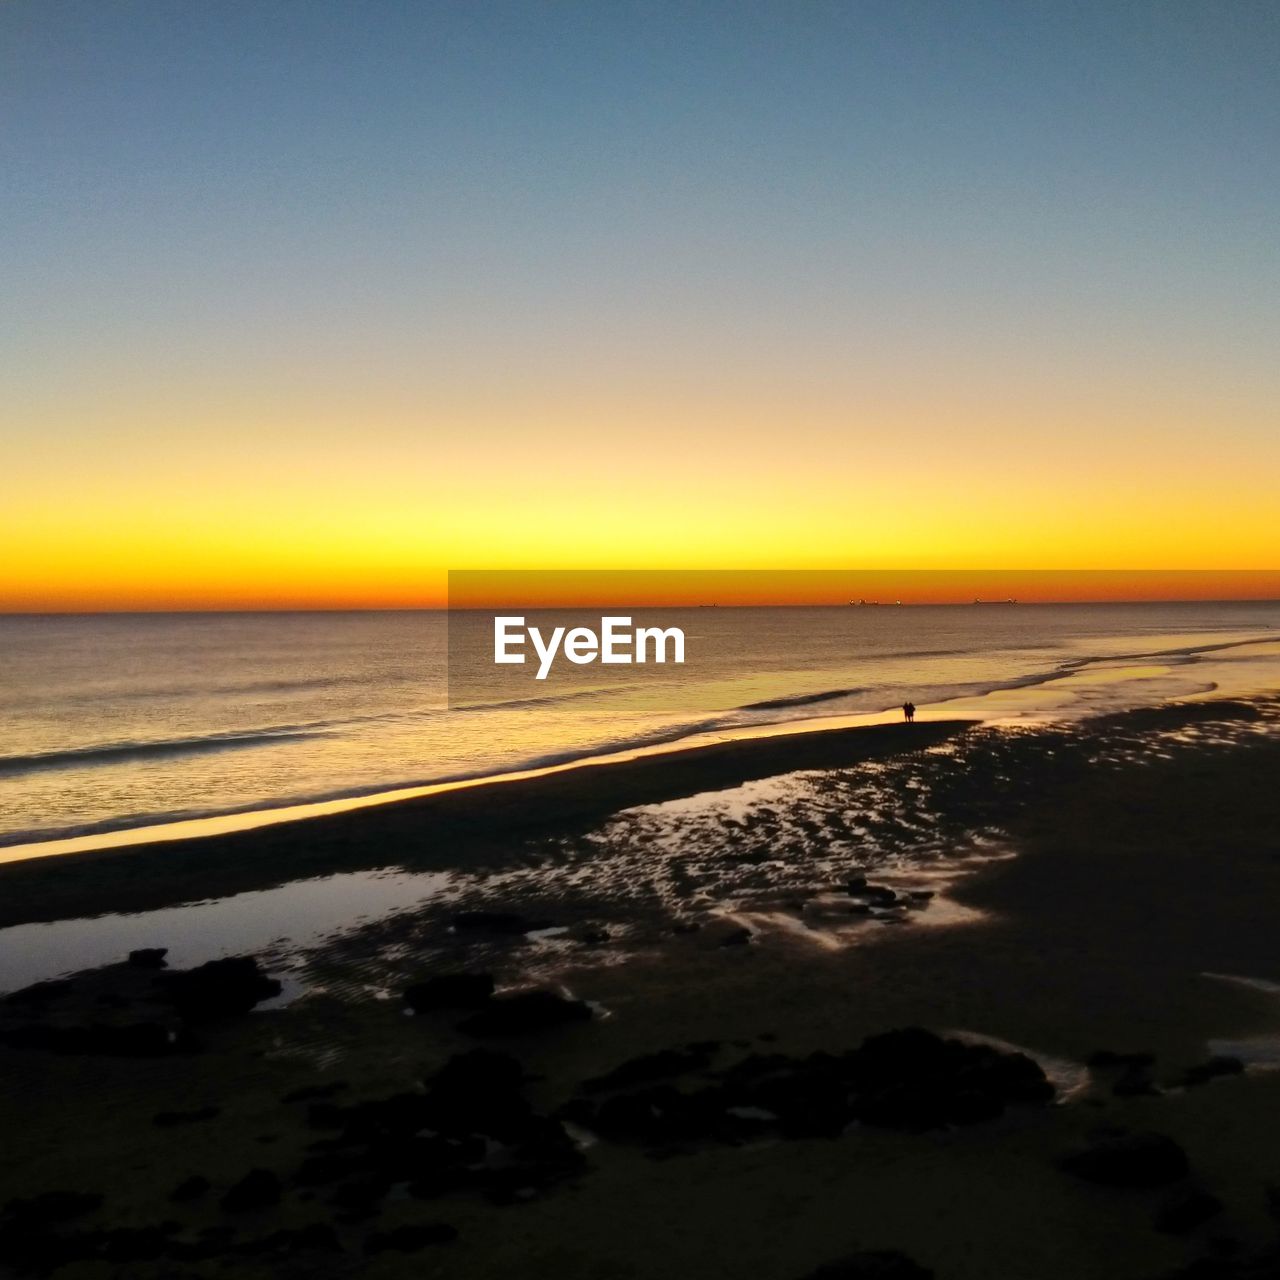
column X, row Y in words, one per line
column 117, row 722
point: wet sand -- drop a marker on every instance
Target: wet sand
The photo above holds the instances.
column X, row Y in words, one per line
column 1105, row 887
column 470, row 825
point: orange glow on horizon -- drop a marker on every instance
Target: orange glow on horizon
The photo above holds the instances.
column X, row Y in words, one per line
column 730, row 588
column 322, row 502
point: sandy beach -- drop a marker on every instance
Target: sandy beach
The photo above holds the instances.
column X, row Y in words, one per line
column 1094, row 897
column 639, row 641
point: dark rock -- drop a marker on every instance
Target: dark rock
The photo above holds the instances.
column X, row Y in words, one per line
column 191, row 1188
column 434, row 1183
column 886, row 1264
column 219, row 989
column 914, row 1056
column 317, row 1237
column 32, row 1250
column 404, row 1158
column 1129, row 1160
column 538, row 1154
column 579, row 1111
column 326, row 1115
column 1110, row 1060
column 916, row 1106
column 132, row 1244
column 1186, row 1210
column 973, row 1106
column 1215, row 1068
column 194, row 1250
column 1134, row 1082
column 170, row 1119
column 909, row 1080
column 50, row 1207
column 686, row 926
column 809, row 1103
column 352, row 1217
column 148, row 957
column 648, row 1067
column 258, row 1189
column 395, row 1117
column 879, row 895
column 891, row 1057
column 486, row 1069
column 507, row 1186
column 327, row 1167
column 133, row 1040
column 504, row 922
column 409, row 1239
column 662, row 1115
column 737, row 938
column 362, row 1192
column 450, row 991
column 525, row 1013
column 437, row 1141
column 477, row 1092
column 315, row 1092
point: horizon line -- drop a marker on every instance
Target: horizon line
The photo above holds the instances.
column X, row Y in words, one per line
column 711, row 604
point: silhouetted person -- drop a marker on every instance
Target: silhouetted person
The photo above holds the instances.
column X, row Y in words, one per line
column 909, row 712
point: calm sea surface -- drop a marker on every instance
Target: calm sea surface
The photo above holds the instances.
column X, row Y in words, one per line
column 119, row 721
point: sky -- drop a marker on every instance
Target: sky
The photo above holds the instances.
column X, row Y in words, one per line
column 307, row 303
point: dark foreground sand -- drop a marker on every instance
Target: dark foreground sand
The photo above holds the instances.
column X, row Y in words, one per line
column 1147, row 857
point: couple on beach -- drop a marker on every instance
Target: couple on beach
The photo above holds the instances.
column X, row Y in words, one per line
column 909, row 712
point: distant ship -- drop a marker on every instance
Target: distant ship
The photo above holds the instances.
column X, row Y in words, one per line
column 995, row 602
column 858, row 604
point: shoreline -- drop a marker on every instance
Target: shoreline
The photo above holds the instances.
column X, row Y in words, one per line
column 150, row 868
column 252, row 819
column 482, row 820
column 1028, row 699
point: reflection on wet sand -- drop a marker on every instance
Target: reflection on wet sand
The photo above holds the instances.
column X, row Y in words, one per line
column 775, row 857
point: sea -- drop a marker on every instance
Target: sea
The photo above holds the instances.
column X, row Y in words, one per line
column 116, row 723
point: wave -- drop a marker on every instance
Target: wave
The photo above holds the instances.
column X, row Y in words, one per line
column 543, row 699
column 159, row 818
column 195, row 691
column 799, row 700
column 122, row 752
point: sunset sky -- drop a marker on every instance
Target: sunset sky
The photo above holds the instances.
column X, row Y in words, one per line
column 307, row 302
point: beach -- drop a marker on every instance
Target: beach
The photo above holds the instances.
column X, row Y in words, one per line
column 1094, row 896
column 639, row 642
